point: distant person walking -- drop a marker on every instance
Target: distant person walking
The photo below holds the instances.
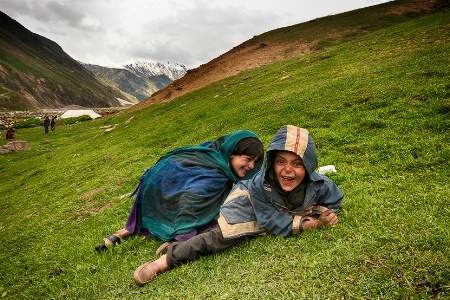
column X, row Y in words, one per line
column 53, row 123
column 46, row 124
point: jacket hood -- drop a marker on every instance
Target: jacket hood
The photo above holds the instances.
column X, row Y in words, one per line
column 297, row 140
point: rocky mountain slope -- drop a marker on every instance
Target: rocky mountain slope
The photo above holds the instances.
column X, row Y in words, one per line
column 295, row 41
column 35, row 73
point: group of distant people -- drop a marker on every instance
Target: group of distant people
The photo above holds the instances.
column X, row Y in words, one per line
column 49, row 123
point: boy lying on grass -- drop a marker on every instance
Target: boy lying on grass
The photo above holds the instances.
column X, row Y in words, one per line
column 284, row 198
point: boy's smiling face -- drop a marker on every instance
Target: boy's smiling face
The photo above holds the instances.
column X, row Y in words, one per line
column 289, row 170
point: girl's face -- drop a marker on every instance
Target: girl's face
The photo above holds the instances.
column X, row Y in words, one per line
column 289, row 170
column 241, row 164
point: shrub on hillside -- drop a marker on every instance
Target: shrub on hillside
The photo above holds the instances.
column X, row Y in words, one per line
column 73, row 120
column 28, row 123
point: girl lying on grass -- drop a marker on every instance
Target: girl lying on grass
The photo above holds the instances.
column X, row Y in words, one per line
column 284, row 198
column 181, row 194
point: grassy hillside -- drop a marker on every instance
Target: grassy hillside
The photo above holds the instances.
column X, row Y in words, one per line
column 378, row 107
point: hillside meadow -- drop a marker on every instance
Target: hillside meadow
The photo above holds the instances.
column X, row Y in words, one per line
column 378, row 108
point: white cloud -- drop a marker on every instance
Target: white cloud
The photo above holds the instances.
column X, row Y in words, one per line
column 90, row 23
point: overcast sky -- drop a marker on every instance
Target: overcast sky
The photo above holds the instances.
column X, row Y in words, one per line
column 190, row 32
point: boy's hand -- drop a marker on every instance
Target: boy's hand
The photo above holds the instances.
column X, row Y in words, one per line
column 328, row 217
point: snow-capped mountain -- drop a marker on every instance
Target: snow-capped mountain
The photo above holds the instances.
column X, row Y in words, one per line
column 140, row 78
column 171, row 69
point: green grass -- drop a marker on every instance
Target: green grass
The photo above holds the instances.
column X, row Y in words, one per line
column 378, row 107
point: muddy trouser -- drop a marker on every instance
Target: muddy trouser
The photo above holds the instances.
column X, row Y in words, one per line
column 206, row 243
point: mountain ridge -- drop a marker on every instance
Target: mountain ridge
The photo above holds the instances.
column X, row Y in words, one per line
column 36, row 73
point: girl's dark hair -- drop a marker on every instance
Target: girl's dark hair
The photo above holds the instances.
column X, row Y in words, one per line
column 251, row 146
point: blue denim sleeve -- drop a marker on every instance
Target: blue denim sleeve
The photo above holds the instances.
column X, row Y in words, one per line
column 329, row 195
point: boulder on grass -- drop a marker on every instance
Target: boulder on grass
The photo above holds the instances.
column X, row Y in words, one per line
column 14, row 146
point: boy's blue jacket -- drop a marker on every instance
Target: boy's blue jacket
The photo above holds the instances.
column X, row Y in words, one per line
column 255, row 207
